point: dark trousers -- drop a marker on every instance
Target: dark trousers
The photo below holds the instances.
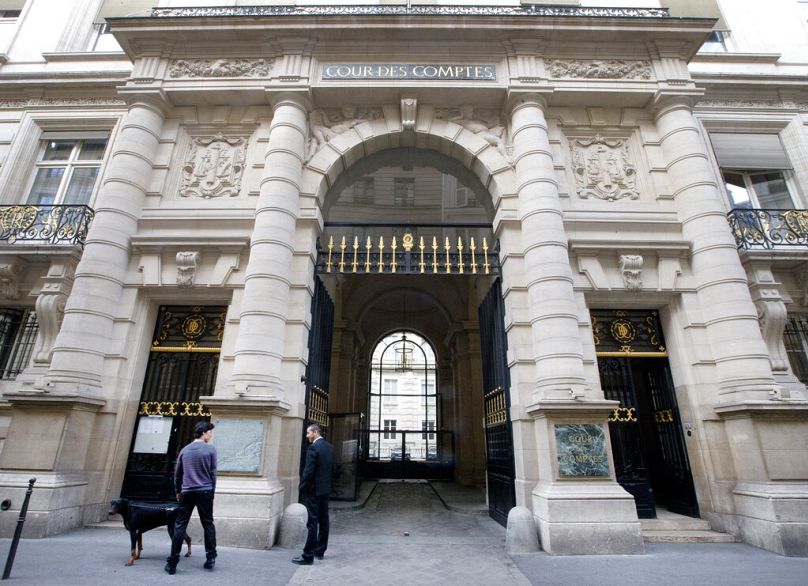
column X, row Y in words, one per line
column 317, row 525
column 203, row 501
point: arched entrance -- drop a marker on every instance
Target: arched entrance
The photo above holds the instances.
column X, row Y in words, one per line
column 408, row 250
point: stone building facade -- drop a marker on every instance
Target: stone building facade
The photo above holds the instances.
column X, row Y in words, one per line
column 220, row 211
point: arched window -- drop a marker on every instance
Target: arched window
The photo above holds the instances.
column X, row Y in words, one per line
column 403, row 403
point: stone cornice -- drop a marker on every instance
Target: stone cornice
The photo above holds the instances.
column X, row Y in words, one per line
column 239, row 404
column 772, row 409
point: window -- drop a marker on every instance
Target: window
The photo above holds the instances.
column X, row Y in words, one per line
column 390, row 428
column 428, row 426
column 464, row 197
column 755, row 169
column 404, row 192
column 765, row 190
column 795, row 338
column 363, row 191
column 715, row 43
column 67, row 170
column 18, row 330
column 102, row 40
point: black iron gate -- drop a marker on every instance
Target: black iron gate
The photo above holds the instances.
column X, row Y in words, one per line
column 182, row 367
column 318, row 369
column 496, row 395
column 650, row 455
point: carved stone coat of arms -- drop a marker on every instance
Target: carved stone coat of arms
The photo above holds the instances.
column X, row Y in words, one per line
column 602, row 169
column 213, row 167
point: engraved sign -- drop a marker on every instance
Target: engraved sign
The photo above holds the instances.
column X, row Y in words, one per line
column 581, row 451
column 438, row 71
column 239, row 444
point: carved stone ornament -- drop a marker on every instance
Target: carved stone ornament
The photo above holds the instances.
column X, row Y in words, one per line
column 484, row 123
column 631, row 270
column 325, row 124
column 602, row 169
column 773, row 316
column 599, row 69
column 9, row 280
column 23, row 103
column 50, row 308
column 409, row 111
column 410, row 10
column 802, row 280
column 220, row 68
column 186, row 268
column 213, row 167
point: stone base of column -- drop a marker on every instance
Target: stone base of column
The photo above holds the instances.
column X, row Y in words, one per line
column 578, row 506
column 249, row 500
column 54, row 438
column 586, row 519
column 773, row 516
column 56, row 505
column 767, row 439
column 246, row 512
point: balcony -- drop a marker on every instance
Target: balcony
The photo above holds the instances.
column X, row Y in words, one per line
column 756, row 229
column 47, row 224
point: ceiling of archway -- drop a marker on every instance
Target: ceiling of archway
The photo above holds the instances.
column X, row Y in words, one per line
column 408, row 186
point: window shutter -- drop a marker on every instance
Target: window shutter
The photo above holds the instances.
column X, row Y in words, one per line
column 749, row 151
column 697, row 9
column 12, row 4
column 121, row 8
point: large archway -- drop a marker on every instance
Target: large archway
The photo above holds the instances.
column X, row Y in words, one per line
column 442, row 209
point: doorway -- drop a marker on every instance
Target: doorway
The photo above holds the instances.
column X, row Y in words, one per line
column 183, row 363
column 650, row 456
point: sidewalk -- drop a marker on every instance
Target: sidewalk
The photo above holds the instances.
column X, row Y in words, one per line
column 404, row 535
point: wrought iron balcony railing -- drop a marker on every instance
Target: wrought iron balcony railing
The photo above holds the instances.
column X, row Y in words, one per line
column 51, row 224
column 758, row 228
column 426, row 249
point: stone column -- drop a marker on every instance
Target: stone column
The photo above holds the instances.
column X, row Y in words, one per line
column 257, row 392
column 556, row 340
column 765, row 431
column 84, row 338
column 576, row 512
column 741, row 357
column 60, row 415
column 264, row 310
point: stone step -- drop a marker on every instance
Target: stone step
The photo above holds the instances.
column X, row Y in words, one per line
column 679, row 523
column 688, row 536
column 110, row 524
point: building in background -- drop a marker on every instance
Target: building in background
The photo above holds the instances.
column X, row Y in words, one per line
column 587, row 221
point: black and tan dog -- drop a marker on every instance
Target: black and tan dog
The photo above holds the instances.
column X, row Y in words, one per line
column 141, row 517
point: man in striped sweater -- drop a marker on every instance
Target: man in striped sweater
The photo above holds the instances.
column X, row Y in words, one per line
column 195, row 479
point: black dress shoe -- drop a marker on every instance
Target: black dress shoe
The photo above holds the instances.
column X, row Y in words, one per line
column 209, row 563
column 301, row 561
column 170, row 569
column 319, row 556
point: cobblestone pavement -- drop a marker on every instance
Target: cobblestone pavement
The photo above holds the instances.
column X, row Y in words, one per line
column 405, row 535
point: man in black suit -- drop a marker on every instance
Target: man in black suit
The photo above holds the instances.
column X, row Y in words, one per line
column 315, row 486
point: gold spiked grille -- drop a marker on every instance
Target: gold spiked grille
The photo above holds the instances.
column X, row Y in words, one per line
column 408, row 253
